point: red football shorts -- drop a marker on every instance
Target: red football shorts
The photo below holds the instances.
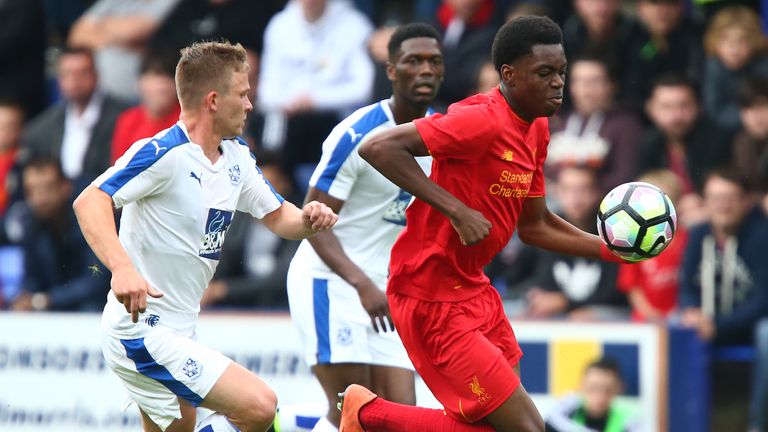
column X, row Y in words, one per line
column 465, row 351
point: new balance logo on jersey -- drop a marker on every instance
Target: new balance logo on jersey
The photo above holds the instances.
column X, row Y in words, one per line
column 158, row 149
column 197, row 177
column 215, row 229
column 395, row 211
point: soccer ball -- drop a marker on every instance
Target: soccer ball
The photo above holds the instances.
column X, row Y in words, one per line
column 636, row 221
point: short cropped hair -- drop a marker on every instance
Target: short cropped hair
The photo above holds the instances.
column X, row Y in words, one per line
column 517, row 37
column 159, row 62
column 733, row 175
column 207, row 66
column 42, row 162
column 410, row 31
column 674, row 79
column 606, row 364
column 753, row 91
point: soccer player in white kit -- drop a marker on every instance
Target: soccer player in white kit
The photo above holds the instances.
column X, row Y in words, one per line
column 337, row 279
column 179, row 190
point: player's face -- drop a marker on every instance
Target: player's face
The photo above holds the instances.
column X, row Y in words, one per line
column 535, row 82
column 418, row 71
column 235, row 105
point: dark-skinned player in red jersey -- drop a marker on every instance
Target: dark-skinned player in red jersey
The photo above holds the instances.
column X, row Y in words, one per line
column 488, row 152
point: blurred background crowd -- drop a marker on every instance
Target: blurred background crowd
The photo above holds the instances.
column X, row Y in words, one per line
column 672, row 92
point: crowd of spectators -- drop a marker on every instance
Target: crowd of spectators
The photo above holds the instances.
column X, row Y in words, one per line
column 671, row 90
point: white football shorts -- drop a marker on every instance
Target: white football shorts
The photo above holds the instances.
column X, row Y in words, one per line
column 161, row 367
column 333, row 325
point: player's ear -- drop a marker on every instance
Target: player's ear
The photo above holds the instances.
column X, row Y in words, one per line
column 507, row 75
column 211, row 101
column 390, row 70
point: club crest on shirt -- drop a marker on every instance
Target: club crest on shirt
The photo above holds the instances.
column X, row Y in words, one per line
column 191, row 368
column 216, row 226
column 234, row 174
column 344, row 336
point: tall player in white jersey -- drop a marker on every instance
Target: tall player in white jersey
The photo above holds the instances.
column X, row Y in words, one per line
column 337, row 279
column 178, row 191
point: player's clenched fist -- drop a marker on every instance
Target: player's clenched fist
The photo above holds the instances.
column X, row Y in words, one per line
column 471, row 225
column 318, row 216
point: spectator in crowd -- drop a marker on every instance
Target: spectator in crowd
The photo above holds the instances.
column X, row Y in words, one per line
column 652, row 286
column 22, row 50
column 468, row 28
column 599, row 25
column 487, row 78
column 238, row 21
column 668, row 41
column 159, row 107
column 61, row 273
column 11, row 122
column 724, row 284
column 77, row 131
column 254, row 261
column 564, row 285
column 682, row 139
column 377, row 47
column 117, row 31
column 736, row 48
column 595, row 132
column 750, row 147
column 595, row 409
column 315, row 68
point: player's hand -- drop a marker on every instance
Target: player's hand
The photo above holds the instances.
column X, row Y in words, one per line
column 131, row 290
column 318, row 216
column 375, row 303
column 471, row 226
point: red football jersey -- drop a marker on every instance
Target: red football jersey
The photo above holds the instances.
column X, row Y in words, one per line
column 658, row 278
column 491, row 160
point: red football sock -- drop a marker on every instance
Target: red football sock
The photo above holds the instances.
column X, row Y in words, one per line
column 384, row 416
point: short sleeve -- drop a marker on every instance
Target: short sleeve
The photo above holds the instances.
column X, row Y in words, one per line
column 538, row 188
column 340, row 164
column 144, row 170
column 464, row 133
column 257, row 197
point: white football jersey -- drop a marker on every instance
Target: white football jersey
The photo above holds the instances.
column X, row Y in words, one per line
column 373, row 214
column 177, row 207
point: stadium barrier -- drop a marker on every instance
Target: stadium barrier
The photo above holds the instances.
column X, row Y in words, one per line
column 53, row 377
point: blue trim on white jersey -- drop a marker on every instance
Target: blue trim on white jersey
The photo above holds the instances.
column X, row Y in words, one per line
column 348, row 141
column 144, row 158
column 253, row 156
column 147, row 366
column 321, row 307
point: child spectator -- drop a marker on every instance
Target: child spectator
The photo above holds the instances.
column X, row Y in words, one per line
column 736, row 48
column 652, row 285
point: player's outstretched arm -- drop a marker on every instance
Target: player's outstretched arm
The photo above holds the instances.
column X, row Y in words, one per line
column 329, row 249
column 292, row 223
column 393, row 154
column 537, row 226
column 97, row 222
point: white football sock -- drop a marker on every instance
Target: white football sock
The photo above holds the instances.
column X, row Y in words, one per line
column 323, row 425
column 216, row 423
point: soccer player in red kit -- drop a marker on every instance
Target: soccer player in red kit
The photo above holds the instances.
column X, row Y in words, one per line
column 488, row 152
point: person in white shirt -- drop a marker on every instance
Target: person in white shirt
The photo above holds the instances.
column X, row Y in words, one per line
column 337, row 279
column 178, row 191
column 315, row 69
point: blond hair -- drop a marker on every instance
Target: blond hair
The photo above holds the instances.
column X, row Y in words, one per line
column 665, row 180
column 206, row 67
column 741, row 17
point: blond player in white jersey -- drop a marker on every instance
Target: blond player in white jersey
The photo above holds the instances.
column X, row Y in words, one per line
column 337, row 279
column 178, row 191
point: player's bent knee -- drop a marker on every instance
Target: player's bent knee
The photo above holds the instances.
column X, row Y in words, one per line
column 261, row 410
